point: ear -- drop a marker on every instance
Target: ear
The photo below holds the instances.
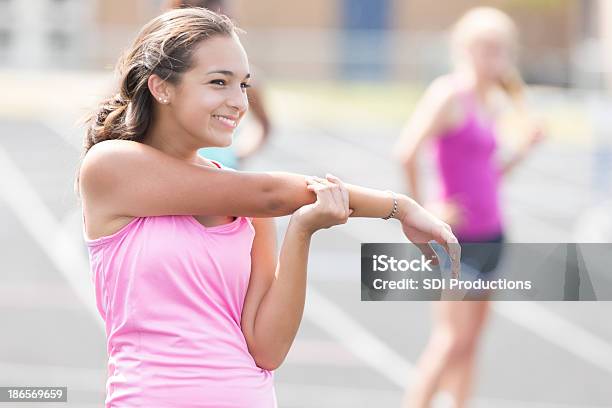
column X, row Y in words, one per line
column 160, row 89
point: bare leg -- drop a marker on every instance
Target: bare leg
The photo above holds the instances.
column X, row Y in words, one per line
column 459, row 374
column 448, row 359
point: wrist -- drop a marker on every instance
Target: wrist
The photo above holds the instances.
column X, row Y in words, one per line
column 405, row 206
column 300, row 228
column 520, row 154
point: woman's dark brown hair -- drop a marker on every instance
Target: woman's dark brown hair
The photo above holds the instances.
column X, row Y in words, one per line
column 163, row 47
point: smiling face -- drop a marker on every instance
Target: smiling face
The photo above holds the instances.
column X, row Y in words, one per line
column 211, row 98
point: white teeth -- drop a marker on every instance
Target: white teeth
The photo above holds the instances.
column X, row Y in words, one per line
column 226, row 120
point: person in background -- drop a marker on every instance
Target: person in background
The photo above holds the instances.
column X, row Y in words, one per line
column 250, row 139
column 458, row 114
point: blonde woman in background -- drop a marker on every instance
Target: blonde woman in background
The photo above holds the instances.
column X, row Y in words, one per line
column 458, row 115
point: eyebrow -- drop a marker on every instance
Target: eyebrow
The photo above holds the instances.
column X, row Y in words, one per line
column 227, row 73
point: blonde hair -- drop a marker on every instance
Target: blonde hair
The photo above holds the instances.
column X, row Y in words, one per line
column 484, row 21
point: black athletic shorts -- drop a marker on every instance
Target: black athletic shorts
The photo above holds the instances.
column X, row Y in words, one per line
column 483, row 255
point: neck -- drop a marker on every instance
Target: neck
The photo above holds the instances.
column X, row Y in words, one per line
column 172, row 140
column 481, row 86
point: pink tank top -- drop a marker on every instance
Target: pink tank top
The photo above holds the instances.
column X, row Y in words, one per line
column 171, row 293
column 465, row 157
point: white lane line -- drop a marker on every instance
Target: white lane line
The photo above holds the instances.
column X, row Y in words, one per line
column 49, row 234
column 323, row 313
column 559, row 331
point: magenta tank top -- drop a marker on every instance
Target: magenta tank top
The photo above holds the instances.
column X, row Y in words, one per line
column 470, row 176
column 171, row 293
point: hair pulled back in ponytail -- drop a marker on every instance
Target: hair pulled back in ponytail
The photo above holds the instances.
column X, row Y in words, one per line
column 163, row 47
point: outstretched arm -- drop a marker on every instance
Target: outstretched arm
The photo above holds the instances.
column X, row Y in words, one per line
column 125, row 178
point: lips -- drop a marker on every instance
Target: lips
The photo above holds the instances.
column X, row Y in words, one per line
column 229, row 121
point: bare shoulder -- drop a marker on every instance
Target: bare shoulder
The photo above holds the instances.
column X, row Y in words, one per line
column 444, row 98
column 106, row 155
column 113, row 163
column 96, row 177
column 444, row 89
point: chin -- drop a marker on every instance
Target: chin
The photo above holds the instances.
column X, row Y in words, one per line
column 224, row 139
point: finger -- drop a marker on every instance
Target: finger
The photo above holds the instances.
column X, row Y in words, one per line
column 336, row 191
column 334, row 194
column 316, row 188
column 324, row 194
column 343, row 190
column 428, row 252
column 454, row 250
column 320, row 180
column 446, row 238
column 317, row 179
column 313, row 180
column 333, row 179
column 343, row 203
column 455, row 259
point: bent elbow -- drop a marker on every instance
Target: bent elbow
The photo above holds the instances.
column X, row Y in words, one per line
column 407, row 162
column 270, row 362
column 270, row 357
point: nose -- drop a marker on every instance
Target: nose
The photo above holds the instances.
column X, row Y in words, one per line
column 238, row 100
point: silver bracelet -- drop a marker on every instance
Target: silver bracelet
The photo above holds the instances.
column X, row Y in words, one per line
column 394, row 211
